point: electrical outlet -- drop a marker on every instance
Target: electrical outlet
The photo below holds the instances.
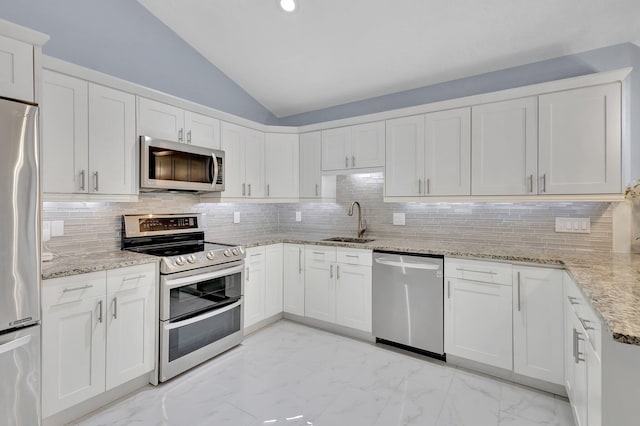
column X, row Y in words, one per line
column 399, row 219
column 298, row 216
column 236, row 217
column 57, row 228
column 573, row 225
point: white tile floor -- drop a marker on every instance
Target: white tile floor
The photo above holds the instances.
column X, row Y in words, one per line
column 290, row 374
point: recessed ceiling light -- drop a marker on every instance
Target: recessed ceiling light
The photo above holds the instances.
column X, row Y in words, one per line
column 287, row 5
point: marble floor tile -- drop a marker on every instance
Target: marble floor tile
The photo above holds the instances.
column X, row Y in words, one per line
column 293, row 375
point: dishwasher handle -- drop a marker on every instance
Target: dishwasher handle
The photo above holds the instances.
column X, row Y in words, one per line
column 427, row 266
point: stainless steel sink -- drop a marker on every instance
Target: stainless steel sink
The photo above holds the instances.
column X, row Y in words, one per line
column 349, row 240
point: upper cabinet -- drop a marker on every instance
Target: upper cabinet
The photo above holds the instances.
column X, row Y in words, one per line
column 244, row 161
column 355, row 147
column 163, row 121
column 429, row 155
column 310, row 165
column 504, row 144
column 580, row 141
column 282, row 165
column 88, row 138
column 16, row 69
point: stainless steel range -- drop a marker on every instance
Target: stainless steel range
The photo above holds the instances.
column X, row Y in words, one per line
column 201, row 288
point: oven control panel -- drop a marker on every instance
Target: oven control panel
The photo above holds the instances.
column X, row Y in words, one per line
column 167, row 223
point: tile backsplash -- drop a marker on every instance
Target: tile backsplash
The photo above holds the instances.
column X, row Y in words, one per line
column 96, row 226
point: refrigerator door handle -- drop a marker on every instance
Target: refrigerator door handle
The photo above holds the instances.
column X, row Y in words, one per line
column 15, row 344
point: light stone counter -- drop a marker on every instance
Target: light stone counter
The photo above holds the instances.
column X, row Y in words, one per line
column 66, row 265
column 610, row 281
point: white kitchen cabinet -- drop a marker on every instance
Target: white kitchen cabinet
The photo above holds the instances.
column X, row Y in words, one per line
column 244, row 158
column 254, row 286
column 579, row 386
column 353, row 296
column 319, row 283
column 92, row 343
column 404, row 167
column 293, row 277
column 16, row 69
column 282, row 156
column 112, row 141
column 537, row 314
column 164, row 121
column 311, row 165
column 354, row 147
column 273, row 303
column 65, row 133
column 504, row 143
column 580, row 141
column 478, row 312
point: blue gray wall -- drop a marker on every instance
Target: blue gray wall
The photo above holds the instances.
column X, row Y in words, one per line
column 121, row 38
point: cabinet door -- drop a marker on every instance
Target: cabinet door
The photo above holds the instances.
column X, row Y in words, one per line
column 16, row 69
column 232, row 142
column 580, row 392
column 202, row 130
column 254, row 163
column 310, row 165
column 336, row 149
column 353, row 296
column 448, row 152
column 478, row 322
column 131, row 329
column 404, row 170
column 112, row 141
column 273, row 281
column 504, row 142
column 594, row 386
column 255, row 270
column 73, row 353
column 162, row 121
column 65, row 134
column 537, row 323
column 580, row 141
column 319, row 284
column 293, row 279
column 367, row 145
column 281, row 165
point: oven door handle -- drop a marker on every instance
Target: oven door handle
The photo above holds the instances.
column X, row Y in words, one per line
column 193, row 279
column 199, row 318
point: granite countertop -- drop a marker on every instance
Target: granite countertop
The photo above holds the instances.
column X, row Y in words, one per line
column 66, row 265
column 610, row 281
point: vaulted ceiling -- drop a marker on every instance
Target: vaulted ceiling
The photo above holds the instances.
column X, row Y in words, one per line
column 330, row 52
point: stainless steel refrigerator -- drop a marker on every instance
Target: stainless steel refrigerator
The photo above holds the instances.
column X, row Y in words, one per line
column 19, row 265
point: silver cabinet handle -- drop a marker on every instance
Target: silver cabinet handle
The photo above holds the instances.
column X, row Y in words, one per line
column 577, row 339
column 299, row 261
column 84, row 287
column 352, row 255
column 180, row 135
column 95, row 181
column 544, row 182
column 530, row 183
column 115, row 308
column 572, row 300
column 249, row 190
column 353, row 161
column 574, row 345
column 247, row 278
column 419, row 186
column 338, row 271
column 267, row 190
column 448, row 289
column 346, row 162
column 585, row 323
column 428, row 186
column 100, row 312
column 189, row 136
column 82, row 176
column 331, row 271
column 519, row 306
column 480, row 272
column 137, row 277
column 316, row 189
column 318, row 252
column 256, row 254
column 243, row 189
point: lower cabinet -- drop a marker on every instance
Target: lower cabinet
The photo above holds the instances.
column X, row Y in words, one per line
column 293, row 278
column 263, row 283
column 354, row 296
column 98, row 333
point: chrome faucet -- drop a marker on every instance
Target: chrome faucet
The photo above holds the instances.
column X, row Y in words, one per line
column 362, row 224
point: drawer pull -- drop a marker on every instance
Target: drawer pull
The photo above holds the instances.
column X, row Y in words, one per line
column 474, row 270
column 84, row 287
column 115, row 308
column 572, row 300
column 352, row 255
column 585, row 323
column 100, row 311
column 318, row 252
column 137, row 277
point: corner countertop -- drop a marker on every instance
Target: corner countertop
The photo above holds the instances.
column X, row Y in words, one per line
column 67, row 265
column 610, row 281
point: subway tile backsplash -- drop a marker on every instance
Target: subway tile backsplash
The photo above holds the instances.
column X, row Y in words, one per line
column 96, row 226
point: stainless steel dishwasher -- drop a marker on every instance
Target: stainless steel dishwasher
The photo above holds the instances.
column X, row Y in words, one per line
column 408, row 301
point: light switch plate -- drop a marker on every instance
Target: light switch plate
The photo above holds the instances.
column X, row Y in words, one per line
column 298, row 216
column 573, row 225
column 57, row 228
column 398, row 219
column 46, row 230
column 236, row 217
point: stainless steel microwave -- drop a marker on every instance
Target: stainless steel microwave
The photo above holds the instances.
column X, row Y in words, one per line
column 173, row 166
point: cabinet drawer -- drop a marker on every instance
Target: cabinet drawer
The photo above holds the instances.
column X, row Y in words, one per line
column 131, row 277
column 57, row 291
column 320, row 254
column 476, row 270
column 354, row 256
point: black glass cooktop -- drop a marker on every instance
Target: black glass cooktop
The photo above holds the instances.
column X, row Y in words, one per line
column 180, row 249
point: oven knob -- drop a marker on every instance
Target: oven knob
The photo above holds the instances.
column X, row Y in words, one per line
column 191, row 258
column 227, row 253
column 211, row 255
column 180, row 261
column 235, row 251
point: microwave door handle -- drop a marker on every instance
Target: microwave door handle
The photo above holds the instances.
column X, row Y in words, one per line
column 199, row 318
column 215, row 169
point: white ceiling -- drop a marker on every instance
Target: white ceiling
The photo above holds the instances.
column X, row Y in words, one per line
column 330, row 52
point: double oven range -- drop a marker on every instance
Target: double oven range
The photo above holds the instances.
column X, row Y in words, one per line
column 201, row 288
